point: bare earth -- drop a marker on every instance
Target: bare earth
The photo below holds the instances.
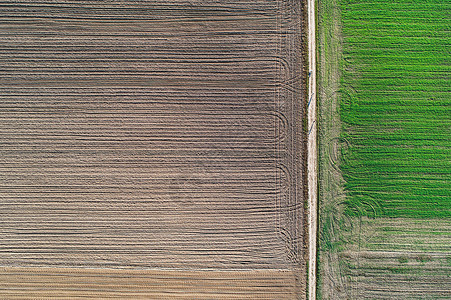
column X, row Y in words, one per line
column 150, row 136
column 76, row 283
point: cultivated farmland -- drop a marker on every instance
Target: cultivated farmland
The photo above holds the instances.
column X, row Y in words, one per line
column 148, row 135
column 385, row 168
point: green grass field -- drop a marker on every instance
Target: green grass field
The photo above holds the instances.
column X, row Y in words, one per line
column 396, row 108
column 385, row 149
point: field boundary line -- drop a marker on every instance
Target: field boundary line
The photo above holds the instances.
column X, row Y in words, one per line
column 312, row 151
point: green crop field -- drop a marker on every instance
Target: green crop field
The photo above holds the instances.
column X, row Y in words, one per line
column 396, row 107
column 387, row 211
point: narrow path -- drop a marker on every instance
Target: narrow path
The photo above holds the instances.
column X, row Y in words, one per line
column 312, row 152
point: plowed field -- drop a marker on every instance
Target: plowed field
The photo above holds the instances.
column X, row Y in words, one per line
column 152, row 135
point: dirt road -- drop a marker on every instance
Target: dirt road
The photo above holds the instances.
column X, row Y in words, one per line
column 312, row 152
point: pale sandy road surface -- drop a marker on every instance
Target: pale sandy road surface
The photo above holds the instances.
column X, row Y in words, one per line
column 312, row 151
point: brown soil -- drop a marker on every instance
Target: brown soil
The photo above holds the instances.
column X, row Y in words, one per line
column 153, row 135
column 72, row 283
